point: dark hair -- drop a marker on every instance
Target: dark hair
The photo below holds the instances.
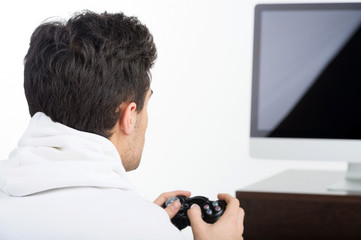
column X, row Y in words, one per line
column 78, row 72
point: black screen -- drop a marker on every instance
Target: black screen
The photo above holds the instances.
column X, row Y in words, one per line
column 307, row 71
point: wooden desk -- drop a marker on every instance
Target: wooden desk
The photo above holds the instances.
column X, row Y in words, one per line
column 296, row 205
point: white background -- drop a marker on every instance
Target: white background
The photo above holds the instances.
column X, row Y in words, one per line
column 198, row 132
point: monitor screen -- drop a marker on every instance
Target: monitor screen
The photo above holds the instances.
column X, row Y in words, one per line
column 306, row 85
column 307, row 71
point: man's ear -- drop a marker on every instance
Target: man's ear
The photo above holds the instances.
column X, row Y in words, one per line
column 128, row 118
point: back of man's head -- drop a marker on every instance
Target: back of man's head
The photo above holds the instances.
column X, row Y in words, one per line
column 78, row 72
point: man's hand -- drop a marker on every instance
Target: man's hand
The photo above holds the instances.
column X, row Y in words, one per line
column 175, row 206
column 229, row 226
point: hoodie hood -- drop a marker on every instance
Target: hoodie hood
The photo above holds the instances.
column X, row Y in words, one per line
column 51, row 155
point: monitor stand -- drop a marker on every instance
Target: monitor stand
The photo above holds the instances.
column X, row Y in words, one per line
column 352, row 180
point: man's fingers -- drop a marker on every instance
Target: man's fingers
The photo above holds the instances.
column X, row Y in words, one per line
column 233, row 206
column 164, row 196
column 173, row 209
column 231, row 201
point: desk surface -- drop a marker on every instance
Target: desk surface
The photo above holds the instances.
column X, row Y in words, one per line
column 300, row 181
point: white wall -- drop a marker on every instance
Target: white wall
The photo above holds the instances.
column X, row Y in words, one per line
column 198, row 130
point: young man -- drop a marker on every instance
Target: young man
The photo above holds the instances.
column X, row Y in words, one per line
column 87, row 85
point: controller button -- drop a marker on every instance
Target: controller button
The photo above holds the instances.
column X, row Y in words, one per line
column 215, row 204
column 171, row 200
column 217, row 208
column 206, row 207
column 209, row 212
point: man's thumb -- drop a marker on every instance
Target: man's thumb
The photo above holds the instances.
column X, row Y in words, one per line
column 195, row 216
column 173, row 209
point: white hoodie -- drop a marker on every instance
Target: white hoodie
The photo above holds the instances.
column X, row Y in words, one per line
column 60, row 183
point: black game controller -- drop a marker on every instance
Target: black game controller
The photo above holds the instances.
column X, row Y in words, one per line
column 211, row 210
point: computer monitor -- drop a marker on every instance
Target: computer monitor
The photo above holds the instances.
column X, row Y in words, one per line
column 306, row 85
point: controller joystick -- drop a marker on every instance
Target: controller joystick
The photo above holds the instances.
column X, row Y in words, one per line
column 211, row 210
